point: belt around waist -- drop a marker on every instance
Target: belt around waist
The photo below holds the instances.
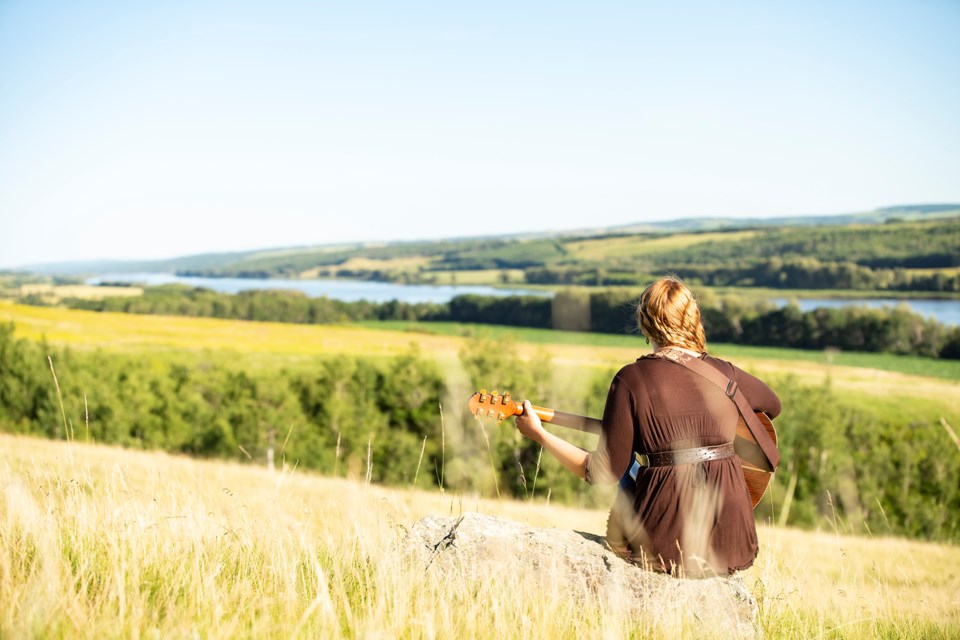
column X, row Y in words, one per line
column 677, row 457
column 684, row 456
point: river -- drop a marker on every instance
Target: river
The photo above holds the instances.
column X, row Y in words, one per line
column 944, row 311
column 346, row 290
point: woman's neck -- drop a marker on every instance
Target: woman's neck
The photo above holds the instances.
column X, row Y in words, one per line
column 657, row 347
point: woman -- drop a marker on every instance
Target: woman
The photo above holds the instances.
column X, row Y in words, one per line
column 684, row 518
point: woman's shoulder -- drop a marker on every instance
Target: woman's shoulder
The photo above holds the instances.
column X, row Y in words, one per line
column 725, row 366
column 760, row 394
column 636, row 370
column 648, row 366
column 643, row 363
column 720, row 363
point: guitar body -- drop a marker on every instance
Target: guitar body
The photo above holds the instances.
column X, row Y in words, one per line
column 756, row 469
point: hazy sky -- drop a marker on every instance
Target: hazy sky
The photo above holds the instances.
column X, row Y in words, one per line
column 156, row 129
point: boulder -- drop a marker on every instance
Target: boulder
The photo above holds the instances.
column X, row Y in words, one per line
column 476, row 546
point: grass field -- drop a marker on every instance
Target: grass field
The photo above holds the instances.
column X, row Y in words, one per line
column 133, row 332
column 633, row 246
column 896, row 385
column 55, row 293
column 150, row 333
column 489, row 277
column 912, row 365
column 98, row 542
column 395, row 265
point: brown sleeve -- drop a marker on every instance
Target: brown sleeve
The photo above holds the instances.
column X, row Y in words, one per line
column 760, row 396
column 609, row 462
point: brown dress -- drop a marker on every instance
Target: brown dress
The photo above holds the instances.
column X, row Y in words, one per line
column 693, row 519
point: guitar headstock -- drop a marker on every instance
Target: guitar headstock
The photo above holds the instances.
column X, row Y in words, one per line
column 493, row 405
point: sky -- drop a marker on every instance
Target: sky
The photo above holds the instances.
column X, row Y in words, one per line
column 140, row 130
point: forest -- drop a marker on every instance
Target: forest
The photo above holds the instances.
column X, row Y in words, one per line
column 898, row 255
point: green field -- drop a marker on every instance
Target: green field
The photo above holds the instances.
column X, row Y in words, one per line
column 931, row 385
column 911, row 365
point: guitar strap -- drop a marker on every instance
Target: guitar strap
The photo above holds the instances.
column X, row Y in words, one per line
column 732, row 391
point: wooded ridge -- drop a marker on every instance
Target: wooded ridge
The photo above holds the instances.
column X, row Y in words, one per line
column 912, row 248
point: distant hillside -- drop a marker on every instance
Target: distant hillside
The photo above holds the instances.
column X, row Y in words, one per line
column 197, row 262
column 921, row 209
column 878, row 216
column 405, row 260
column 97, row 267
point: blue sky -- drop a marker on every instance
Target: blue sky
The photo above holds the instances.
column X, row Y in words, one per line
column 142, row 130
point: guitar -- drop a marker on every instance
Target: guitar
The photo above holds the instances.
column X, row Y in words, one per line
column 501, row 406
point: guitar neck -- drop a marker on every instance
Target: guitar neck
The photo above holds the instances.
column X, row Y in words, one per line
column 568, row 420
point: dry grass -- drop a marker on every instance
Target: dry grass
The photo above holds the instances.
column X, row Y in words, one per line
column 55, row 293
column 824, row 585
column 102, row 542
column 947, row 271
column 480, row 277
column 148, row 333
column 98, row 541
column 638, row 246
column 886, row 386
column 409, row 264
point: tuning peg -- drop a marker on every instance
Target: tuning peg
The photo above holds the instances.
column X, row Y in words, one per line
column 495, row 392
column 483, row 392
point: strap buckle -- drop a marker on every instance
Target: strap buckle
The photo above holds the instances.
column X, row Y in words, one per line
column 732, row 387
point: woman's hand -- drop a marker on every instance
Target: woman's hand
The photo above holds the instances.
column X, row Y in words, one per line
column 529, row 423
column 572, row 457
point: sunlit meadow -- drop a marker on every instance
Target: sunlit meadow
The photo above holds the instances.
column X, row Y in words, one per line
column 97, row 541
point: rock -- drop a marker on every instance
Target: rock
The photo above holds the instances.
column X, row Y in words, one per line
column 579, row 564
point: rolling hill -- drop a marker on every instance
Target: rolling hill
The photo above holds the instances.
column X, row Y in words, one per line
column 481, row 252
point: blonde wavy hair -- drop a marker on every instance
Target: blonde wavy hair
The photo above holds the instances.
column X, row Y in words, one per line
column 668, row 314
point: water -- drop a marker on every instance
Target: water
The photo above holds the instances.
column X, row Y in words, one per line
column 346, row 290
column 944, row 311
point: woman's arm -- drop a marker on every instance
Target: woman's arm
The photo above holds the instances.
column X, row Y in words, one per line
column 761, row 396
column 570, row 456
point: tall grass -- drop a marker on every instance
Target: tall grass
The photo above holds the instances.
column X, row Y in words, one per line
column 102, row 542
